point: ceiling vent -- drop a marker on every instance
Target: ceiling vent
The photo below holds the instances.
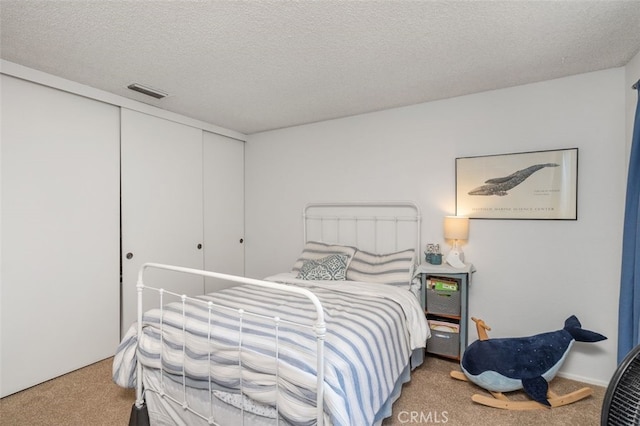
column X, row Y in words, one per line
column 154, row 93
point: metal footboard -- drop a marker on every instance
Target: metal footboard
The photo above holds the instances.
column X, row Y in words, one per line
column 319, row 329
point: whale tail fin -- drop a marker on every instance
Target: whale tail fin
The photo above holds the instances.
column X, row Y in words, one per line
column 573, row 326
column 537, row 388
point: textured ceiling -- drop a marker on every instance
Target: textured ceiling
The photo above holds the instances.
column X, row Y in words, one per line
column 256, row 65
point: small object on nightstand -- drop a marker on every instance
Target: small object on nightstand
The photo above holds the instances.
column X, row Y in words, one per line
column 454, row 261
column 432, row 255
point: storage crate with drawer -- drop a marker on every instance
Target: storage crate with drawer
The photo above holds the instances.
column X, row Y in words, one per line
column 445, row 338
column 443, row 296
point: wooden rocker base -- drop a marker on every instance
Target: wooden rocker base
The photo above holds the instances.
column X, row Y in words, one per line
column 500, row 400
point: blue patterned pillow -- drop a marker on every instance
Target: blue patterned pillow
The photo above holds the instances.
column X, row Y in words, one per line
column 332, row 267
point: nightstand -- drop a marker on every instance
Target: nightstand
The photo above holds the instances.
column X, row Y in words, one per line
column 446, row 305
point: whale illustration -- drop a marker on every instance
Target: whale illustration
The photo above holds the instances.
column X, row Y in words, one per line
column 528, row 363
column 500, row 186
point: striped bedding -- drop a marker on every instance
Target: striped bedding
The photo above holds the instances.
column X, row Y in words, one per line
column 371, row 332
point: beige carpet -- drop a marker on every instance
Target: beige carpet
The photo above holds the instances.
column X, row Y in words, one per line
column 89, row 397
column 83, row 397
column 433, row 394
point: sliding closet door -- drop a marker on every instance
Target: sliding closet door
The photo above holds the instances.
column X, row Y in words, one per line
column 223, row 206
column 60, row 233
column 161, row 205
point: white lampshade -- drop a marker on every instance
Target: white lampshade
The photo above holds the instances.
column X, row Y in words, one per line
column 456, row 228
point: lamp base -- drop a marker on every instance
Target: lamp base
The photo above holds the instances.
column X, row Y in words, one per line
column 455, row 258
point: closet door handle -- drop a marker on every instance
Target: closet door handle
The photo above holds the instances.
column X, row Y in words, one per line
column 129, row 255
column 199, row 246
column 241, row 240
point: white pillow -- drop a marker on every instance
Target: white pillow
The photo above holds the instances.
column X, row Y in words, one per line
column 314, row 250
column 390, row 268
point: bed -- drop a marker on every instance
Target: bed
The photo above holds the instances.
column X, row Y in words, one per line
column 330, row 341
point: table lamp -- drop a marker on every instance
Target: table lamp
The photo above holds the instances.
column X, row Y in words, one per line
column 456, row 228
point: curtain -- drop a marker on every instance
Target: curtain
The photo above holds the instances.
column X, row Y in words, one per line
column 629, row 310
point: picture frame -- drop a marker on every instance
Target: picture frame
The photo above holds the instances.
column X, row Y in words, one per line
column 524, row 185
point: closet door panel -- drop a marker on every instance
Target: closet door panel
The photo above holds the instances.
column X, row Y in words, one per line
column 161, row 205
column 223, row 206
column 60, row 233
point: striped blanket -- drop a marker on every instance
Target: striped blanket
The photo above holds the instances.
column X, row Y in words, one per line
column 371, row 332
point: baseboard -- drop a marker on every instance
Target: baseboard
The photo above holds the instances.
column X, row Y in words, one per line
column 587, row 380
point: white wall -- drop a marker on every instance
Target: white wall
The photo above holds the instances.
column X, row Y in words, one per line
column 632, row 76
column 531, row 275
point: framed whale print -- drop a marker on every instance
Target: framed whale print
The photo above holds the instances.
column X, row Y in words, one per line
column 525, row 185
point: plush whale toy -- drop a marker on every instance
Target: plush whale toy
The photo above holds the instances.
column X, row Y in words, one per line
column 528, row 363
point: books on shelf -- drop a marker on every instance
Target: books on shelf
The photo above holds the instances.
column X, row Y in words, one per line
column 442, row 284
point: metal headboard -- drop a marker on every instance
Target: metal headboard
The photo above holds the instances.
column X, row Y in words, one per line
column 376, row 226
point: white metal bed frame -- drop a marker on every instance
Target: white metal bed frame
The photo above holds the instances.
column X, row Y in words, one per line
column 373, row 213
column 333, row 215
column 319, row 329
